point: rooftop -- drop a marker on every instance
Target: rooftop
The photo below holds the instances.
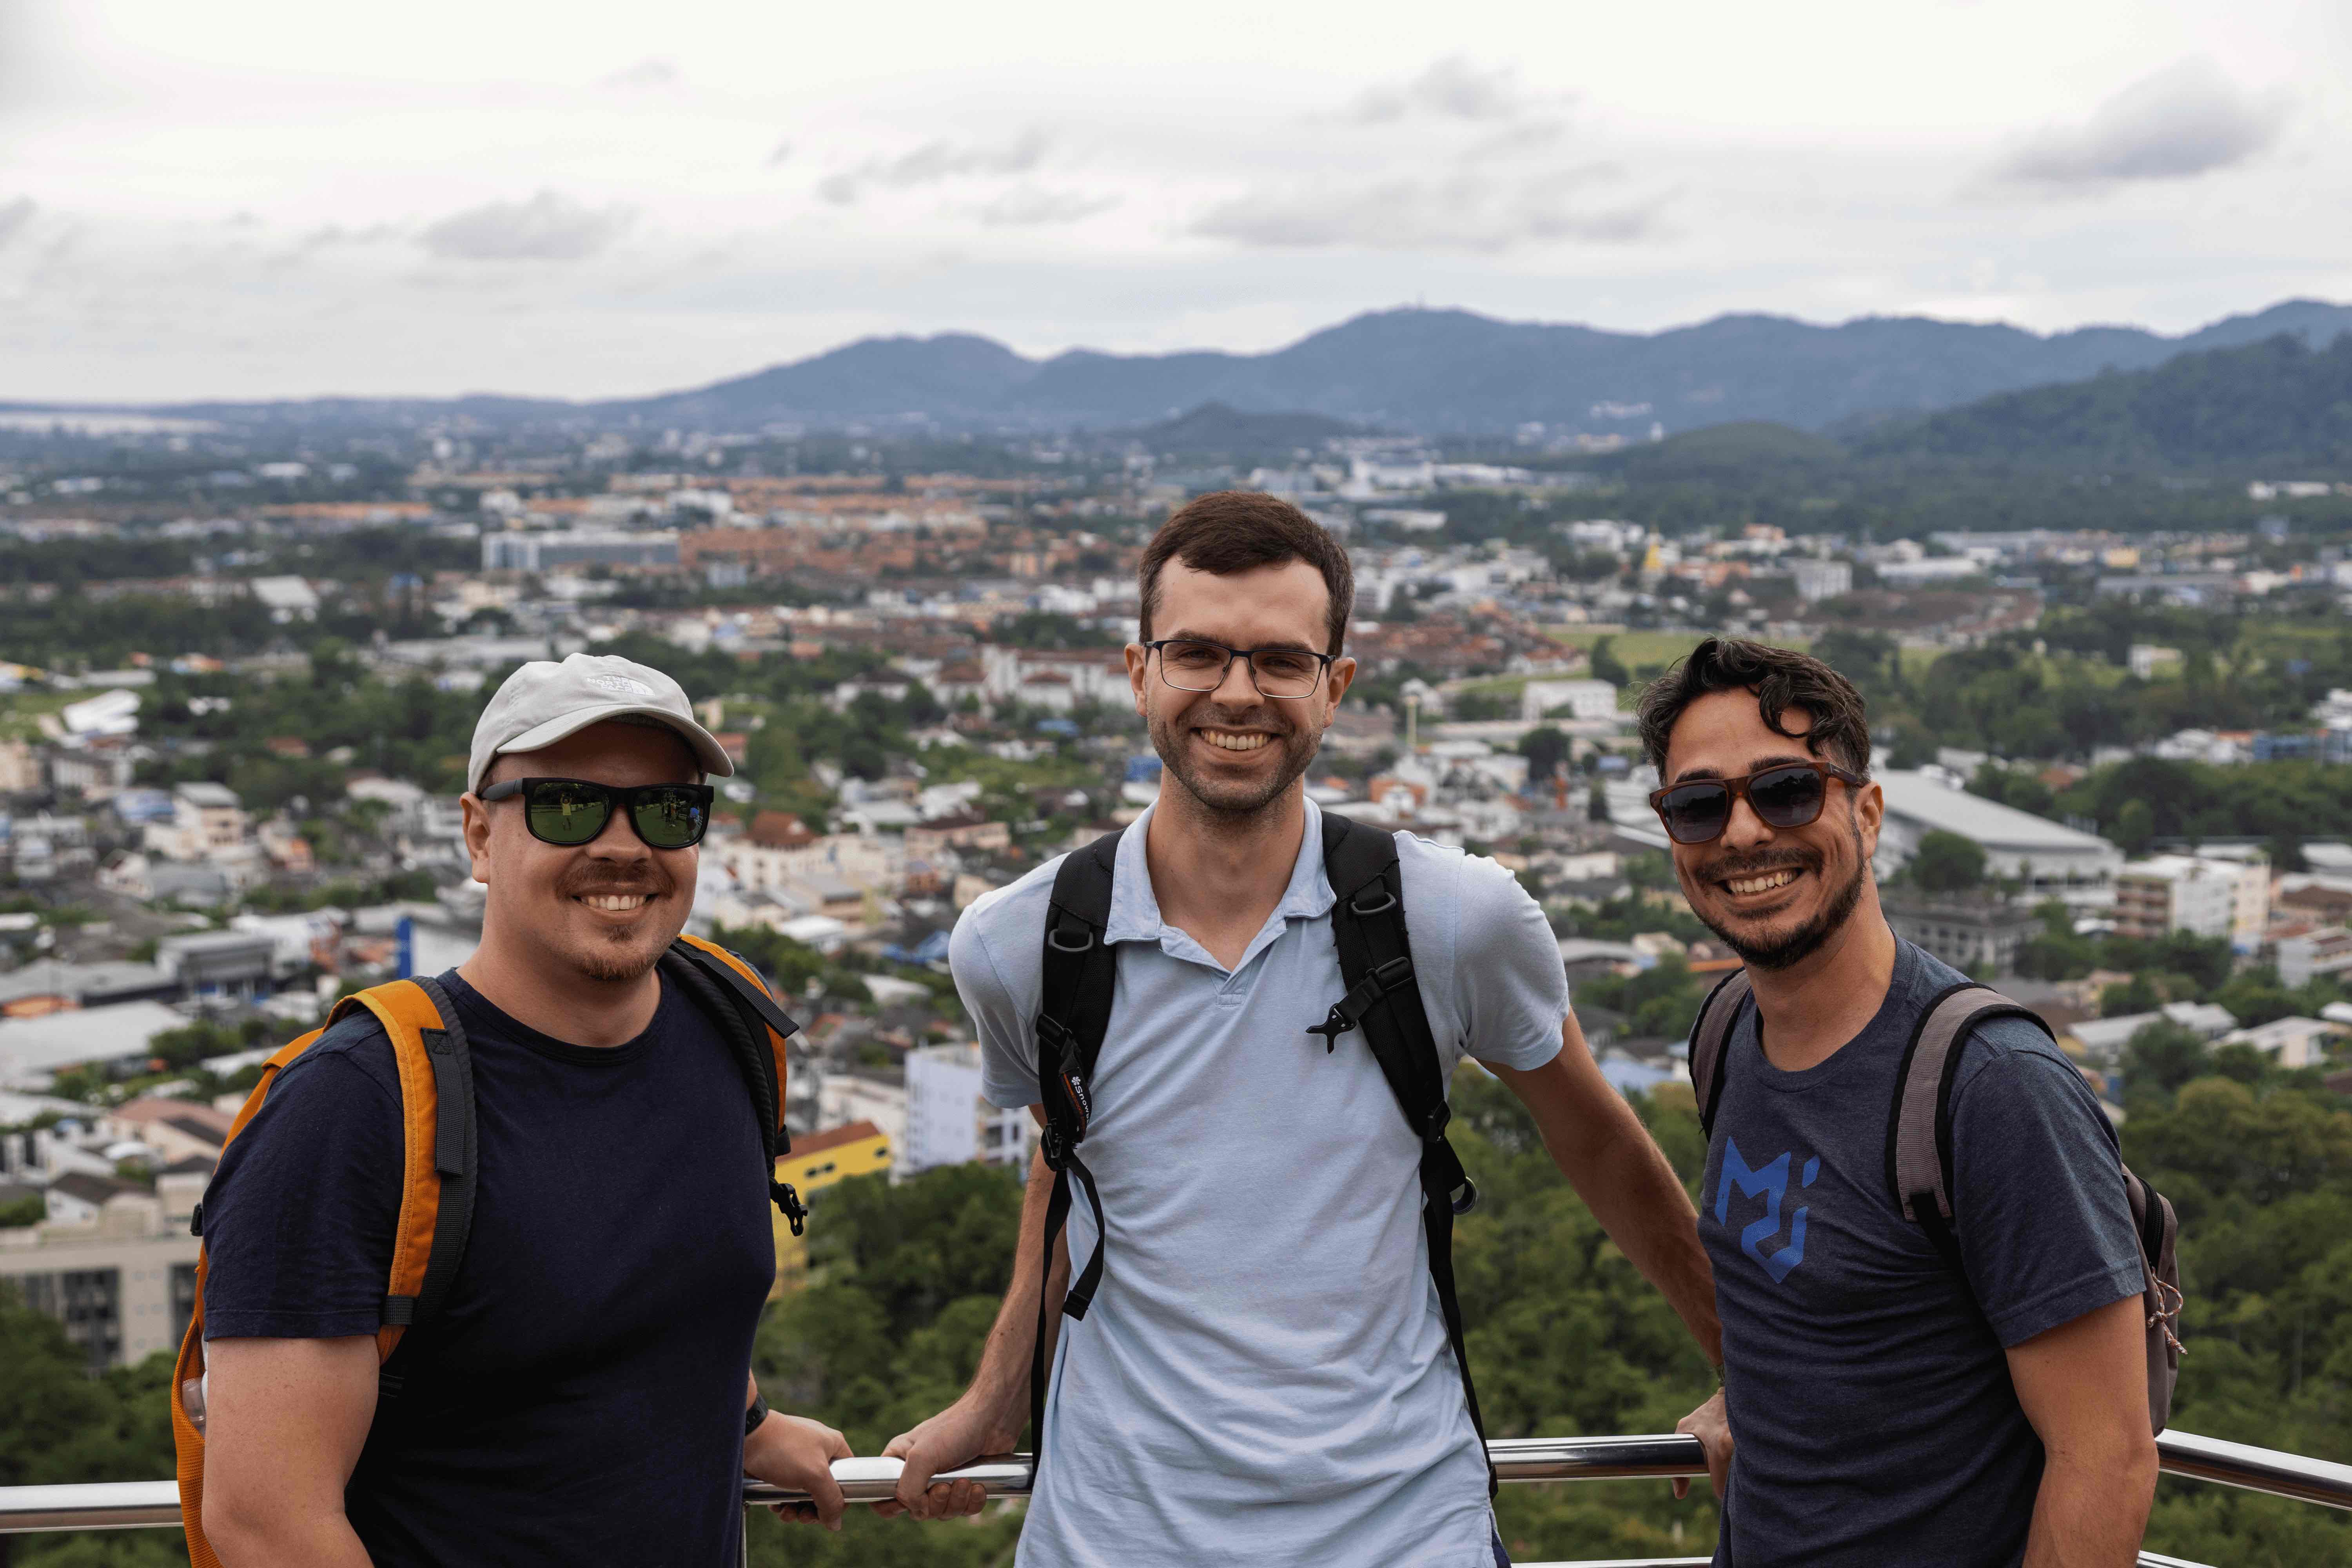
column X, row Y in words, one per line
column 1931, row 805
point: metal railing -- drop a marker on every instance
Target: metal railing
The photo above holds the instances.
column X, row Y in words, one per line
column 134, row 1505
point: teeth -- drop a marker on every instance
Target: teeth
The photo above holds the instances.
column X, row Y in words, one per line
column 1249, row 741
column 618, row 903
column 1764, row 884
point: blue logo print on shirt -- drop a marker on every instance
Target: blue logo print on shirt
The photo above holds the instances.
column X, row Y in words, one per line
column 1771, row 1184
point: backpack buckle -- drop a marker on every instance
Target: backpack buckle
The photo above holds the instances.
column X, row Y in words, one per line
column 1054, row 939
column 1387, row 901
column 789, row 1201
column 1053, row 1147
column 1440, row 1116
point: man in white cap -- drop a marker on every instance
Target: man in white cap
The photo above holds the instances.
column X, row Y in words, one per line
column 584, row 1393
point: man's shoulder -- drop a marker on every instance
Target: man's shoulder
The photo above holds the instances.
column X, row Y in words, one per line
column 355, row 1044
column 1006, row 921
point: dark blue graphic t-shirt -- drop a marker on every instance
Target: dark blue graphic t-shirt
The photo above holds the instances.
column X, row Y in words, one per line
column 1869, row 1395
column 579, row 1398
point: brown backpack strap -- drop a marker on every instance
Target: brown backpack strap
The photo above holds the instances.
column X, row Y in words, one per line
column 1710, row 1034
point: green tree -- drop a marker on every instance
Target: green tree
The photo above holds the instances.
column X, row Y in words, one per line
column 1544, row 749
column 2134, row 826
column 1947, row 863
column 2163, row 1055
column 1606, row 666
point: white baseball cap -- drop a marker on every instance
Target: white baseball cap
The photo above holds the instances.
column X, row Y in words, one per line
column 544, row 702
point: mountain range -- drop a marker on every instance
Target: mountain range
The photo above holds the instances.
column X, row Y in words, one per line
column 1433, row 372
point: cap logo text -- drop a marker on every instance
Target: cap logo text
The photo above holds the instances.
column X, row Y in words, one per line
column 621, row 683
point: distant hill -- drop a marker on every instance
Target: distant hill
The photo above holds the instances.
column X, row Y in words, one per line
column 1427, row 372
column 2279, row 406
column 1443, row 371
column 1217, row 430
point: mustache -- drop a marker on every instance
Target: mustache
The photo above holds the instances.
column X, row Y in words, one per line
column 584, row 880
column 1264, row 716
column 1724, row 868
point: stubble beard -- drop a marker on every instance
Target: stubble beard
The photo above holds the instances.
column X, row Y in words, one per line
column 1225, row 803
column 1793, row 947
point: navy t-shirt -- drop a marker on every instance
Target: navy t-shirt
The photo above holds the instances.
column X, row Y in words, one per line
column 1870, row 1399
column 580, row 1397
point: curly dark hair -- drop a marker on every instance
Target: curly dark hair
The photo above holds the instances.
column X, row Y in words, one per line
column 1781, row 677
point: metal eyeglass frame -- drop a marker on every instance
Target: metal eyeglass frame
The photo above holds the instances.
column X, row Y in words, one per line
column 1737, row 789
column 1250, row 653
column 617, row 798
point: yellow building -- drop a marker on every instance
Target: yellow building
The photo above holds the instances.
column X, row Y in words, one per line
column 816, row 1163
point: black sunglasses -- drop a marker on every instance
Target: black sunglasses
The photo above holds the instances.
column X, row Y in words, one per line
column 1786, row 796
column 572, row 812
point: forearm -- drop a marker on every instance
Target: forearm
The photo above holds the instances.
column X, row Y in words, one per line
column 1623, row 1178
column 1001, row 1383
column 2091, row 1512
column 285, row 1539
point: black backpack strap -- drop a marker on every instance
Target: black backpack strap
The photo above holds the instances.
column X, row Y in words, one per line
column 456, row 1161
column 1710, row 1033
column 1919, row 1130
column 743, row 1013
column 1383, row 1001
column 1080, row 976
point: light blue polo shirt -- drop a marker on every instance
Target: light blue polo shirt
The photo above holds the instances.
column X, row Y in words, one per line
column 1265, row 1376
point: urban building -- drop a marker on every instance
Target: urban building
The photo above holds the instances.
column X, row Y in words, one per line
column 948, row 1122
column 113, row 1262
column 2048, row 859
column 2305, row 958
column 2168, row 893
column 517, row 551
column 818, row 1161
column 1978, row 935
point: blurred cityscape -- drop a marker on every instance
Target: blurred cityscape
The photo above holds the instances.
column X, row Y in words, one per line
column 244, row 651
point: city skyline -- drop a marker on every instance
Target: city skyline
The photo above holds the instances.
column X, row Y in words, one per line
column 265, row 202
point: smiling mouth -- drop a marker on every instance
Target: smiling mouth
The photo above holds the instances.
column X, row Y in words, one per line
column 615, row 903
column 1746, row 886
column 1236, row 740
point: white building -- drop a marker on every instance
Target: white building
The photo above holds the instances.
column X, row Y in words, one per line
column 2167, row 893
column 948, row 1121
column 507, row 550
column 2303, row 958
column 1582, row 699
column 2050, row 858
column 2296, row 1042
column 1818, row 580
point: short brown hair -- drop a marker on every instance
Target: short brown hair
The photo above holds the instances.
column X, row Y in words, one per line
column 1781, row 677
column 1227, row 532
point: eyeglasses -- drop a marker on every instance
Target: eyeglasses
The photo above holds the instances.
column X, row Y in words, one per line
column 572, row 812
column 1289, row 673
column 1787, row 796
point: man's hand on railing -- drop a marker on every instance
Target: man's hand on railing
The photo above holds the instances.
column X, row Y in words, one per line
column 796, row 1452
column 951, row 1439
column 1711, row 1424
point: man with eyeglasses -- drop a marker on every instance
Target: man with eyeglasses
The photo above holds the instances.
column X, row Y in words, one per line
column 584, row 1393
column 1975, row 1393
column 1264, row 1375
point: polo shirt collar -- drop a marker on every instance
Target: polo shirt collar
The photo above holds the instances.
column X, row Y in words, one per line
column 1135, row 908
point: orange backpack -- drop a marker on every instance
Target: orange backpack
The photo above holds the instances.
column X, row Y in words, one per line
column 436, row 1192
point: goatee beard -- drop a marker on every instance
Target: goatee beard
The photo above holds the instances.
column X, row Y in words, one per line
column 1793, row 947
column 1299, row 742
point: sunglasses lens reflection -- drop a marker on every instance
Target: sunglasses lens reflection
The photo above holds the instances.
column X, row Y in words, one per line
column 1697, row 812
column 563, row 813
column 1787, row 797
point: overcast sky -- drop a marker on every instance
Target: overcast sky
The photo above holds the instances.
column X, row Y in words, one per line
column 585, row 199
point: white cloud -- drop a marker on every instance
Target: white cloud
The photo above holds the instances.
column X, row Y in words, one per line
column 2185, row 121
column 1032, row 206
column 782, row 151
column 547, row 227
column 14, row 215
column 646, row 73
column 1451, row 88
column 1463, row 210
column 934, row 162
